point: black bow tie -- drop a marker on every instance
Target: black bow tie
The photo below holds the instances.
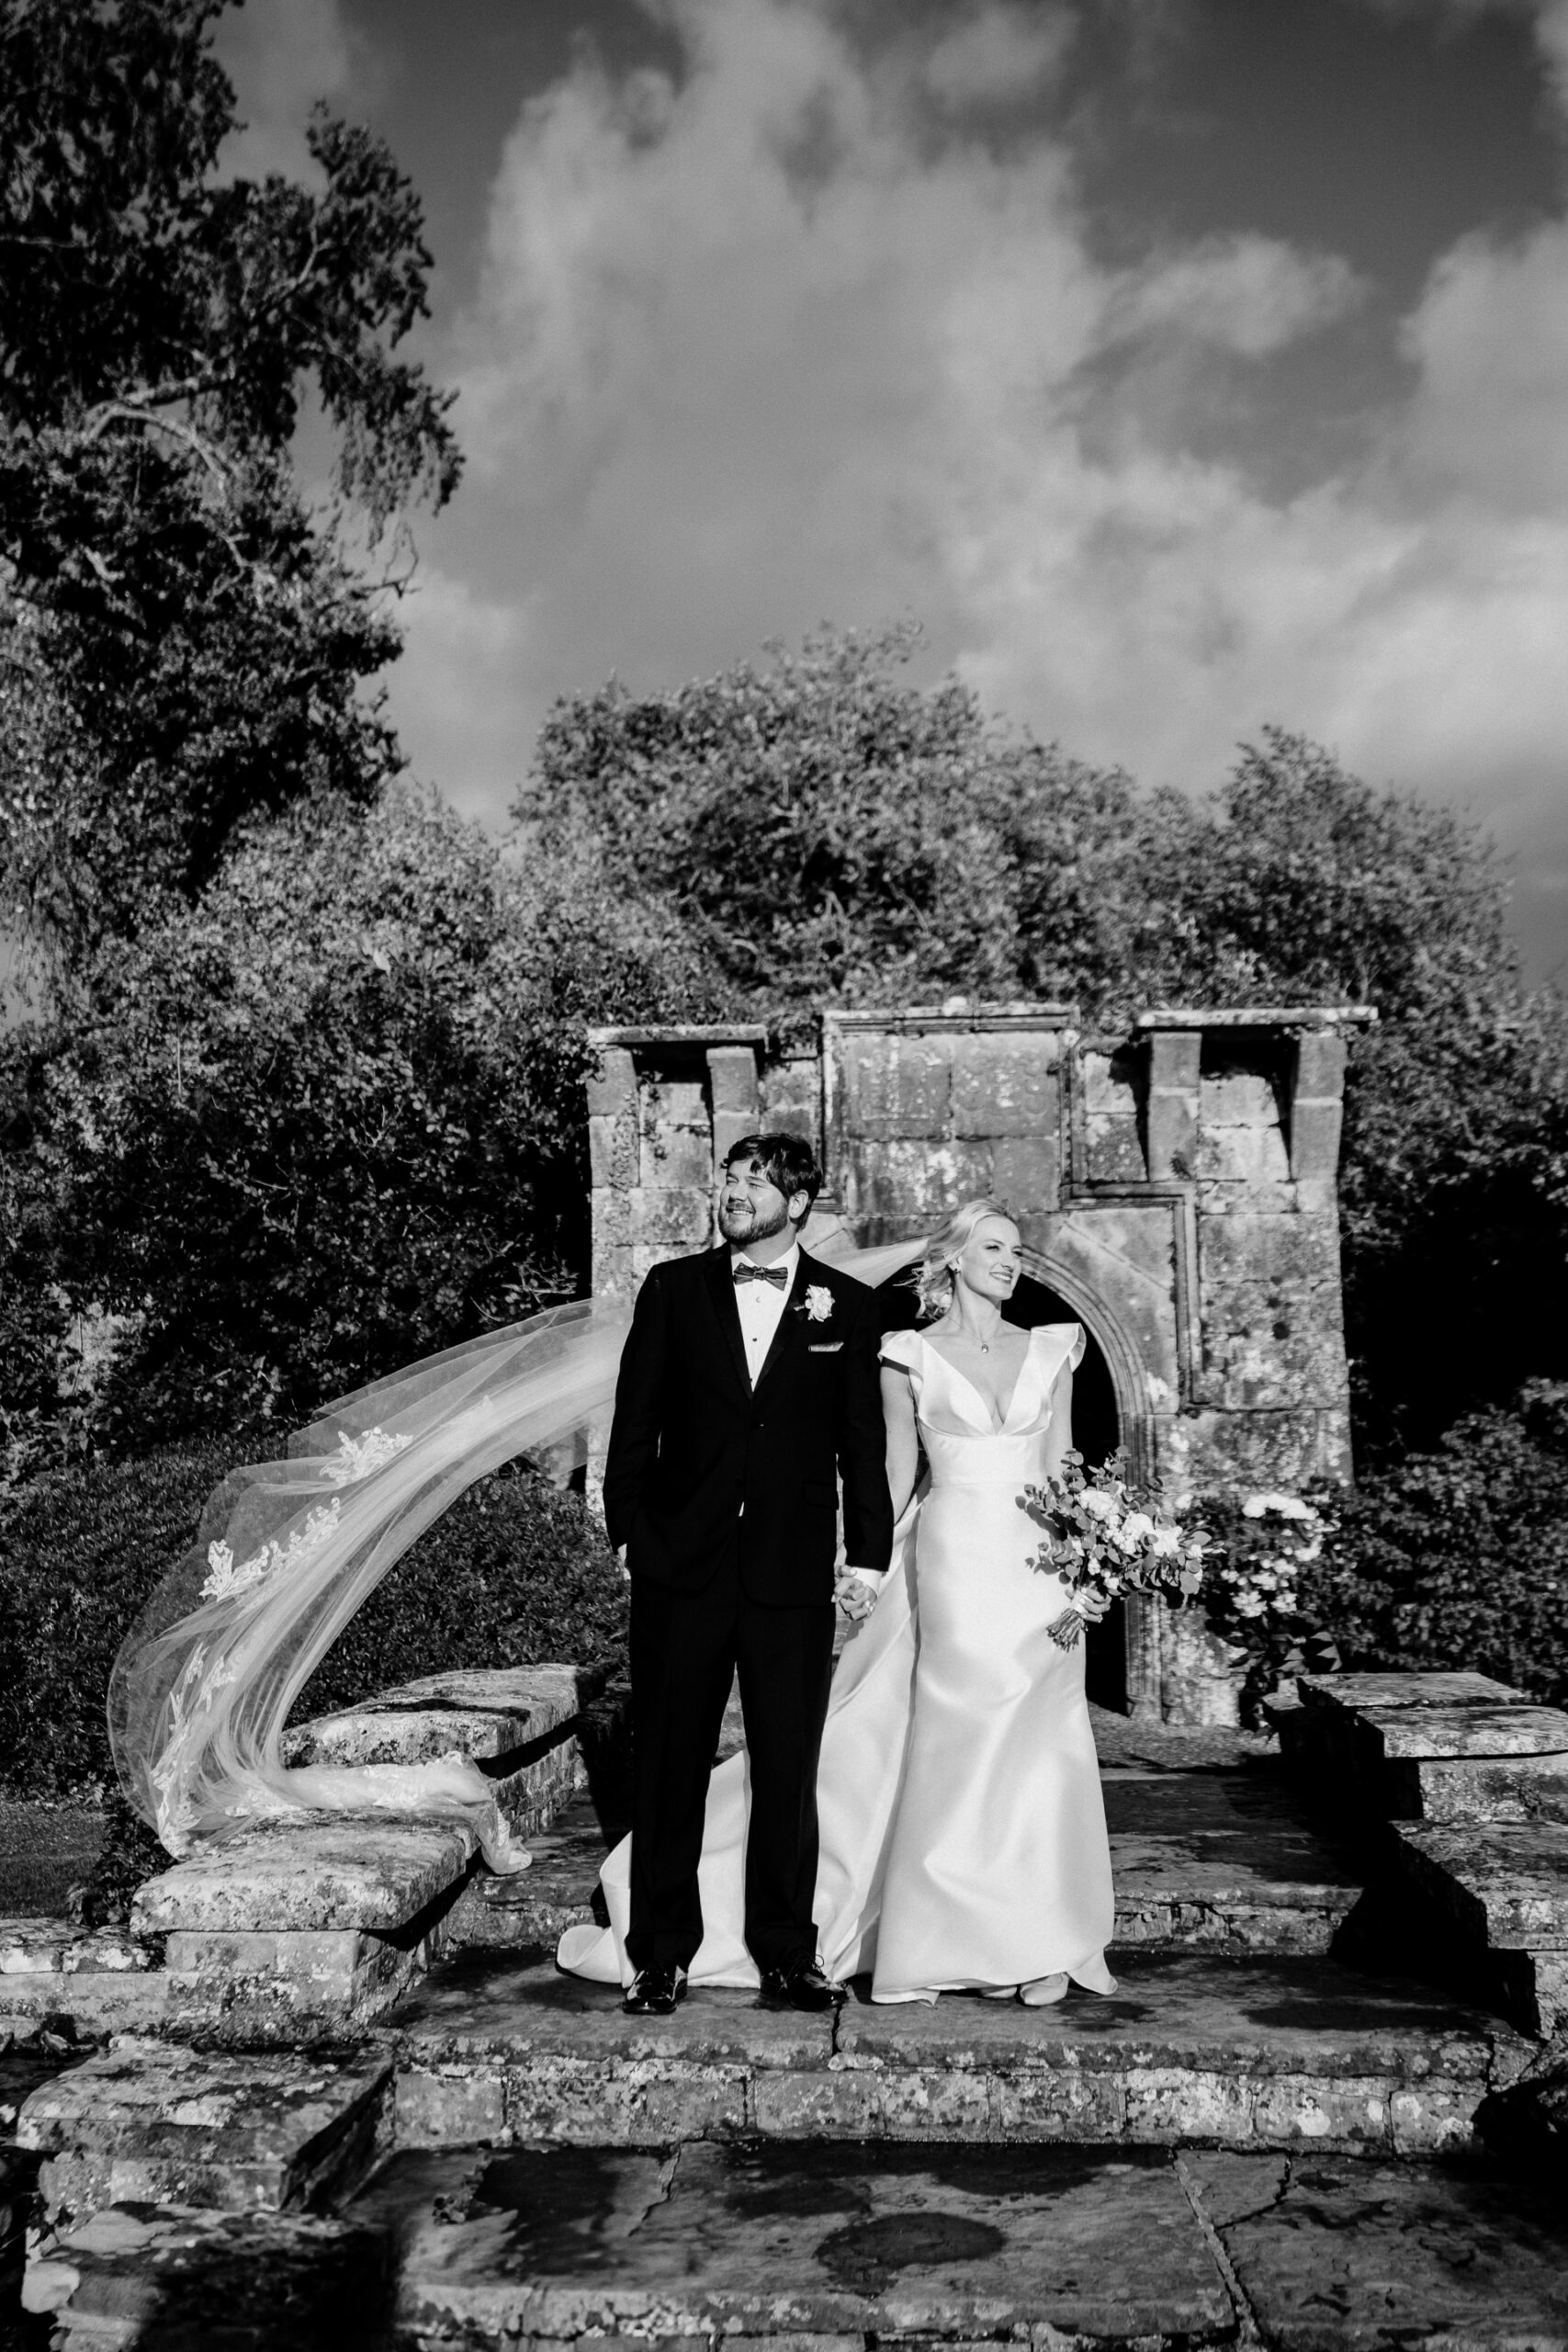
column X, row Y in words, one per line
column 745, row 1271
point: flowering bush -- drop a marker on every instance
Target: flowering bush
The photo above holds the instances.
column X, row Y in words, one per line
column 1103, row 1538
column 1262, row 1592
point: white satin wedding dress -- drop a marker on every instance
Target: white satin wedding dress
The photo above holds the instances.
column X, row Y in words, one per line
column 963, row 1831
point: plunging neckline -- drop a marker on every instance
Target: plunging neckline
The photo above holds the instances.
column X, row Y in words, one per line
column 1000, row 1423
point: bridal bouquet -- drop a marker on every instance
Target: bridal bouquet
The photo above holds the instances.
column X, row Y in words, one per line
column 1103, row 1538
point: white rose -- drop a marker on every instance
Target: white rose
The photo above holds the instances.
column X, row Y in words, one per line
column 1097, row 1502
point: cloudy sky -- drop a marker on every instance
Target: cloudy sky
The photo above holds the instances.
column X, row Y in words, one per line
column 1179, row 364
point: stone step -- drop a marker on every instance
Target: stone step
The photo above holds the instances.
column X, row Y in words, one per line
column 518, row 1725
column 843, row 2249
column 1226, row 1861
column 1242, row 2051
column 196, row 2279
column 1494, row 1898
column 150, row 2122
column 826, row 2248
column 104, row 1979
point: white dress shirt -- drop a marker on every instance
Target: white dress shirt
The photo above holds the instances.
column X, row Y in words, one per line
column 761, row 1306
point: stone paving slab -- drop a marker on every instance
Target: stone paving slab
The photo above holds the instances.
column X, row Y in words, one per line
column 1332, row 2256
column 149, row 2122
column 190, row 2279
column 308, row 1874
column 1244, row 2051
column 480, row 1714
column 795, row 2246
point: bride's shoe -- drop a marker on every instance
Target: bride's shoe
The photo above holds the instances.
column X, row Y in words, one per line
column 1043, row 1991
column 997, row 1992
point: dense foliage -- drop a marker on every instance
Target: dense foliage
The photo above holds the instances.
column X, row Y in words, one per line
column 514, row 1574
column 182, row 636
column 327, row 1122
column 1458, row 1556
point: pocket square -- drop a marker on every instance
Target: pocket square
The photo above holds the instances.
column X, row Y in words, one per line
column 823, row 1347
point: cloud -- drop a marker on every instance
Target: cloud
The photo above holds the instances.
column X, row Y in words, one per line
column 282, row 55
column 1002, row 57
column 754, row 347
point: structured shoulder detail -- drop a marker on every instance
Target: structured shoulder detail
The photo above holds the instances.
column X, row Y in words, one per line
column 1065, row 1344
column 901, row 1348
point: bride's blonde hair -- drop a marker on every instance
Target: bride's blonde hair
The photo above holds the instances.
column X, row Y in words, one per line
column 933, row 1278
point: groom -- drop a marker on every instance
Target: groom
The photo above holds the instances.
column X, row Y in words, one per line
column 747, row 1379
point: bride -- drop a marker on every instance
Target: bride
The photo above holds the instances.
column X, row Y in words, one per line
column 963, row 1832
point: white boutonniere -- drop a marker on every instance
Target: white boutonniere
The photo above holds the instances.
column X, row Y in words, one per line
column 818, row 1303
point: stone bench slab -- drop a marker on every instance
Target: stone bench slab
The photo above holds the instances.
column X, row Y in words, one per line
column 481, row 1714
column 147, row 2122
column 1457, row 1688
column 1480, row 1729
column 310, row 1874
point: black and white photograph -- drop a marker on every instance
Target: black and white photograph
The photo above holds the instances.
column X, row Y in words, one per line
column 784, row 1175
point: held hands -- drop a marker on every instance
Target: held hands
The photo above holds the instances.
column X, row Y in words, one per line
column 854, row 1595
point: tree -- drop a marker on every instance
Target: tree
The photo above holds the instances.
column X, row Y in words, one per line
column 827, row 832
column 183, row 640
column 326, row 1121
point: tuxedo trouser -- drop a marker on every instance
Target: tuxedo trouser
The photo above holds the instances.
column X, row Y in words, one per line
column 686, row 1647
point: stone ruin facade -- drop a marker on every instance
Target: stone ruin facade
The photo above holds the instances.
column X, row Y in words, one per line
column 1175, row 1187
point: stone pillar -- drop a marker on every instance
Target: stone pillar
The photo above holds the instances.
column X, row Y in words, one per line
column 614, row 1170
column 1317, row 1105
column 1172, row 1118
column 736, row 1102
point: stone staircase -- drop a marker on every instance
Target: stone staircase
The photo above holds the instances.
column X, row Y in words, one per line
column 1463, row 1784
column 1269, row 2087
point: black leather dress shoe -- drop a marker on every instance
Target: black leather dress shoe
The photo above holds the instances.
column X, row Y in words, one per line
column 654, row 1992
column 804, row 1986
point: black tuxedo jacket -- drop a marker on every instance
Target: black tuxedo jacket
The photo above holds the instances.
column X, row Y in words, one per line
column 702, row 1468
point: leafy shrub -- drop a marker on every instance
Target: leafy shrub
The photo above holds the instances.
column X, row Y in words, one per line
column 1459, row 1557
column 79, row 1551
column 515, row 1573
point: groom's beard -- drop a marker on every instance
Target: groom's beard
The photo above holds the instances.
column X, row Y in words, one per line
column 742, row 1226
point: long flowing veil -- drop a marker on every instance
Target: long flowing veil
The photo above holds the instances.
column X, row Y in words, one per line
column 288, row 1551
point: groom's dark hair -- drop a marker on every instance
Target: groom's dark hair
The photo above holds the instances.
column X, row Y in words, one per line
column 787, row 1162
